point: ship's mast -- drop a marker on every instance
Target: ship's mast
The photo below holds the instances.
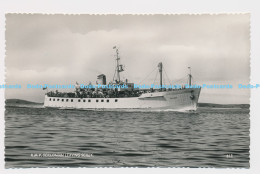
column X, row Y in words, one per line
column 119, row 67
column 160, row 67
column 189, row 76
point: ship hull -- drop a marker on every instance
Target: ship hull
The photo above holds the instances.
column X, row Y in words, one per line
column 182, row 99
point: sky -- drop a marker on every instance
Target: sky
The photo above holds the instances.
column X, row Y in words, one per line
column 65, row 49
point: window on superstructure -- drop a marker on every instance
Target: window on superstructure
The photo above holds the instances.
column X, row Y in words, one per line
column 58, row 99
column 116, row 100
column 62, row 100
column 84, row 100
column 96, row 100
column 102, row 100
column 71, row 100
column 67, row 100
column 79, row 100
column 50, row 99
column 108, row 101
column 54, row 99
column 89, row 100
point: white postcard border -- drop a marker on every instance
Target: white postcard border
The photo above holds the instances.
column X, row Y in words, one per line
column 143, row 7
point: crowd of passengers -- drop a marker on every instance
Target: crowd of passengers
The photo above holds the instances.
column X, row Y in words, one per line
column 104, row 93
column 110, row 93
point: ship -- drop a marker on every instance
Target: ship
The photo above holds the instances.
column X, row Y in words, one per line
column 177, row 99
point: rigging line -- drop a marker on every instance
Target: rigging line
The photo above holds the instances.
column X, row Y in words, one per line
column 195, row 81
column 167, row 76
column 114, row 72
column 155, row 77
column 193, row 78
column 184, row 78
column 114, row 76
column 163, row 76
column 163, row 80
column 147, row 75
column 180, row 82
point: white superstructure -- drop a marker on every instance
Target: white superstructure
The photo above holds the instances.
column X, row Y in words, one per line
column 182, row 99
